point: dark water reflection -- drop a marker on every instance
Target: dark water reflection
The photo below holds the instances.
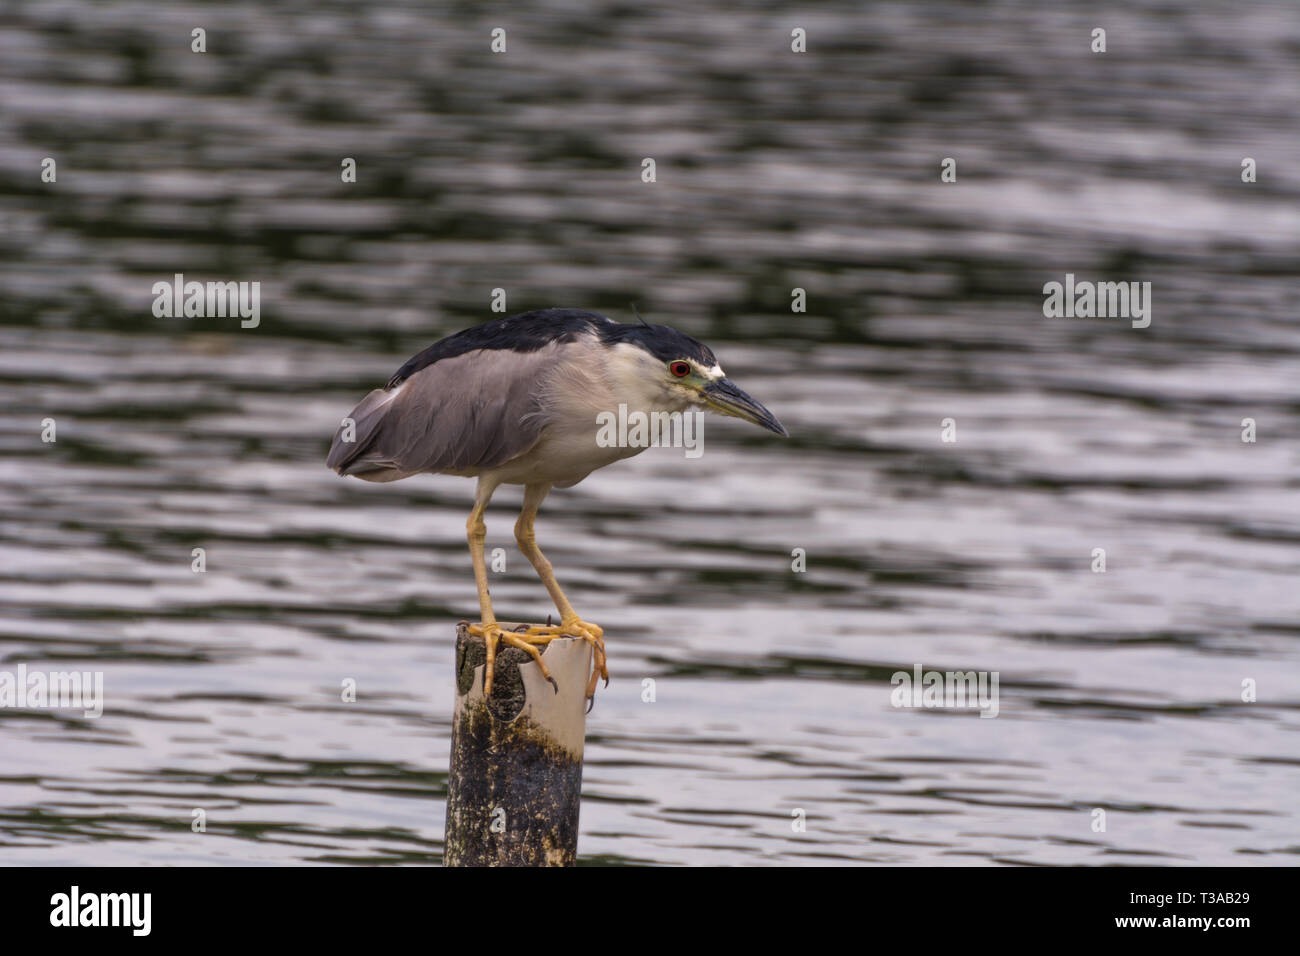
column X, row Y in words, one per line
column 1119, row 690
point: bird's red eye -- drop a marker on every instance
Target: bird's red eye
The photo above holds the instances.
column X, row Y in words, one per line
column 680, row 369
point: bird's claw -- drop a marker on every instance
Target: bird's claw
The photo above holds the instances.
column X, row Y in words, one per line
column 492, row 634
column 594, row 634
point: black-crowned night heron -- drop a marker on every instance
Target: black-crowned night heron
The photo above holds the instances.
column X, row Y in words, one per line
column 522, row 400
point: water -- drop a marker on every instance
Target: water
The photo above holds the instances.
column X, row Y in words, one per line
column 1120, row 691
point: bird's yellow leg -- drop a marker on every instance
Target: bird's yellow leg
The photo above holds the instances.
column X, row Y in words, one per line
column 570, row 622
column 488, row 629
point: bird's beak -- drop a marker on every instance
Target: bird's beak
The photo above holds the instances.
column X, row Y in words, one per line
column 724, row 396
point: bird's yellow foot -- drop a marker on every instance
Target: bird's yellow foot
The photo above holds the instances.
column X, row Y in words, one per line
column 576, row 627
column 492, row 635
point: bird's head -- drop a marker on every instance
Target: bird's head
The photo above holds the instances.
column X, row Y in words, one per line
column 660, row 368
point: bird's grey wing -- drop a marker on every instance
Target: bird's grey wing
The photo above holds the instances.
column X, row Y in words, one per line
column 473, row 411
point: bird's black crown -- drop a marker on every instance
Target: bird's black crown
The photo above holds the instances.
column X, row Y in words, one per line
column 660, row 341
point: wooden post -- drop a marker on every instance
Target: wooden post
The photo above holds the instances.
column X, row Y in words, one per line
column 516, row 759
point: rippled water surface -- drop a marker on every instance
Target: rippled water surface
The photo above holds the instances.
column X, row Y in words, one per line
column 1119, row 690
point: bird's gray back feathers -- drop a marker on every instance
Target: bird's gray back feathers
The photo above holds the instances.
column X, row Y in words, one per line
column 463, row 414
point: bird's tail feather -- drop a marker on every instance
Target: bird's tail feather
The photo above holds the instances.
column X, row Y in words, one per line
column 355, row 436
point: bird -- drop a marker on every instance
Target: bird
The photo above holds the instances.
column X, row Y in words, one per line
column 519, row 400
